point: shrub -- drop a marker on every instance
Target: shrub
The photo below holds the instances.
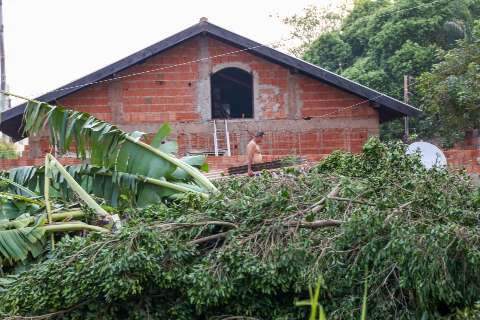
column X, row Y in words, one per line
column 256, row 247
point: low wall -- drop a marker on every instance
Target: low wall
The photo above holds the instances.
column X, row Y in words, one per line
column 468, row 159
column 223, row 163
column 6, row 164
column 220, row 163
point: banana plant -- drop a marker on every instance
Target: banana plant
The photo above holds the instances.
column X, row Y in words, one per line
column 52, row 164
column 107, row 146
column 117, row 160
column 13, row 206
column 112, row 185
column 25, row 222
column 26, row 236
column 109, row 185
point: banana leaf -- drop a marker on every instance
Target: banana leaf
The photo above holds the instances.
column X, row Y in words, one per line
column 16, row 244
column 198, row 162
column 23, row 220
column 107, row 146
column 13, row 206
column 160, row 142
column 103, row 183
column 53, row 168
column 22, row 176
column 171, row 147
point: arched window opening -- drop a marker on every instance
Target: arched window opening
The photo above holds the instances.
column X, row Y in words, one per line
column 232, row 94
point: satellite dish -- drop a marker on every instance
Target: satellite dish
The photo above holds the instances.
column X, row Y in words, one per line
column 431, row 155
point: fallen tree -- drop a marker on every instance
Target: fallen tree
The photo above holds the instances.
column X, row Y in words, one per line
column 256, row 246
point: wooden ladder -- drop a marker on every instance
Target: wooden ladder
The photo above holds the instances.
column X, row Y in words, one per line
column 221, row 138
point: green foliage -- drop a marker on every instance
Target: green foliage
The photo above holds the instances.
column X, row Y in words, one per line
column 365, row 72
column 357, row 25
column 23, row 222
column 16, row 244
column 13, row 206
column 117, row 189
column 330, row 51
column 253, row 253
column 451, row 90
column 412, row 57
column 379, row 42
column 108, row 147
column 314, row 303
column 7, row 151
column 314, row 21
column 126, row 169
column 317, row 308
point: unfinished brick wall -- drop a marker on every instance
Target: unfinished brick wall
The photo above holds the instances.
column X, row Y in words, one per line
column 166, row 95
column 300, row 115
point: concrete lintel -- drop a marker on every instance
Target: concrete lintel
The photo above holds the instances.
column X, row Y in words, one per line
column 234, row 64
column 284, row 125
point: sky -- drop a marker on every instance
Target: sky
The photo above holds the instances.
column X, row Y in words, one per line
column 49, row 43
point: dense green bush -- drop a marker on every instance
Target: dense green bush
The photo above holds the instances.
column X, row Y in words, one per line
column 7, row 151
column 271, row 237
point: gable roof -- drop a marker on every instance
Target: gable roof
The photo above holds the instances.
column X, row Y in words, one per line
column 389, row 108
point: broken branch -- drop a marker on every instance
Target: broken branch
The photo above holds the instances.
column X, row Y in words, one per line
column 217, row 236
column 314, row 224
column 320, row 204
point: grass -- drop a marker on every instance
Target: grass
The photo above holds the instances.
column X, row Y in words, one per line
column 317, row 310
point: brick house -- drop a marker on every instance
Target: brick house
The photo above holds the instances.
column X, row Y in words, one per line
column 205, row 77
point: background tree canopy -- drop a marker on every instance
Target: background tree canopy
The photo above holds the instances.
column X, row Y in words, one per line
column 451, row 90
column 378, row 42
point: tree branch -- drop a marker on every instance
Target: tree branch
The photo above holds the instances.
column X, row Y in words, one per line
column 320, row 204
column 212, row 237
column 314, row 224
column 352, row 200
column 196, row 224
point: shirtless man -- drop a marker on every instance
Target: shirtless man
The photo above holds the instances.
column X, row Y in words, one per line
column 253, row 151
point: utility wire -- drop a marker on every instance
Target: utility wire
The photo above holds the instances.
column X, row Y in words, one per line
column 347, row 107
column 159, row 69
column 356, row 104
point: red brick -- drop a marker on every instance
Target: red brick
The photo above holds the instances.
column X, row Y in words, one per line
column 165, row 95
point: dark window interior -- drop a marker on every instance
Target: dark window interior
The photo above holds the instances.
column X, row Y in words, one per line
column 232, row 94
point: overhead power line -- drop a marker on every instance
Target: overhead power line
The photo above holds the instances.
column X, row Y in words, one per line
column 158, row 69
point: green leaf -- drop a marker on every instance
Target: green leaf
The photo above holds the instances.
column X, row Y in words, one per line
column 82, row 194
column 161, row 144
column 16, row 244
column 103, row 183
column 162, row 133
column 13, row 206
column 364, row 303
column 109, row 146
column 198, row 161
